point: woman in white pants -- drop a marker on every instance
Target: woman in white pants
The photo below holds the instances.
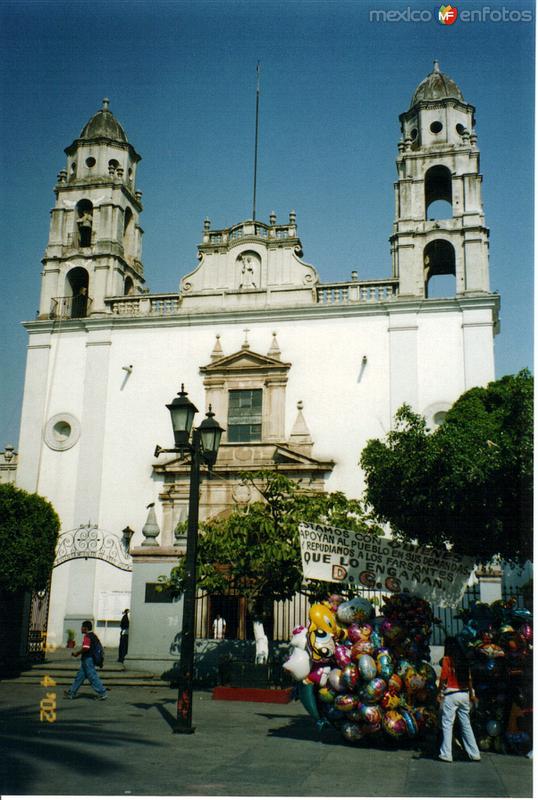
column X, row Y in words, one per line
column 456, row 694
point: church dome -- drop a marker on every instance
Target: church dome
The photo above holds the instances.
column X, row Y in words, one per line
column 436, row 86
column 104, row 125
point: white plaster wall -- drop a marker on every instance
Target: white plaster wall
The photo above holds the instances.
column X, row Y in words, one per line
column 345, row 401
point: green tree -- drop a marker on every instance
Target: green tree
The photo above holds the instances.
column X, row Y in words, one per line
column 29, row 529
column 469, row 483
column 258, row 548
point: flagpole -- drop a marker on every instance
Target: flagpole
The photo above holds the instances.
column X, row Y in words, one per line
column 256, row 139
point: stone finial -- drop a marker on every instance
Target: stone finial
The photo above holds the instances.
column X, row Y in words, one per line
column 436, row 66
column 272, row 218
column 300, row 436
column 151, row 528
column 217, row 351
column 245, row 345
column 354, row 275
column 106, row 103
column 207, row 224
column 274, row 350
column 293, row 217
column 9, row 452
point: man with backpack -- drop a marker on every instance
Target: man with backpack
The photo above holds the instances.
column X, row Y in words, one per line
column 91, row 656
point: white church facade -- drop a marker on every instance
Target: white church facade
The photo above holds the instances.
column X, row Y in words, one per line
column 300, row 373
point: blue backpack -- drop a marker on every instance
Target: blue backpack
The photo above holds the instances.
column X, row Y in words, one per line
column 97, row 652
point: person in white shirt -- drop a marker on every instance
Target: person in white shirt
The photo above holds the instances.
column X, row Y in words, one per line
column 219, row 627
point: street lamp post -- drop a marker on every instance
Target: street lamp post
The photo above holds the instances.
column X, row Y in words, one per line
column 203, row 448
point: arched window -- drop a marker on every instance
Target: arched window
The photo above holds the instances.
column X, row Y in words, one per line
column 76, row 290
column 128, row 233
column 128, row 286
column 439, row 260
column 84, row 223
column 438, row 193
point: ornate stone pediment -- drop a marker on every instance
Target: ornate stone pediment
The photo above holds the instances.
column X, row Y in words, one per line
column 245, row 361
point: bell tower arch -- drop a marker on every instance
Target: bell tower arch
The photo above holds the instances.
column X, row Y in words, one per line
column 95, row 223
column 439, row 226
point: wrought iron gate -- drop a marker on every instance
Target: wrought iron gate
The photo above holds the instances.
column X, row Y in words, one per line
column 37, row 625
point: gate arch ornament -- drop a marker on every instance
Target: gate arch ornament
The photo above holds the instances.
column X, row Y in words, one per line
column 89, row 541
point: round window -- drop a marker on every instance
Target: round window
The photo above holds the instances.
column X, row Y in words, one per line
column 90, row 161
column 436, row 127
column 460, row 128
column 62, row 431
column 413, row 134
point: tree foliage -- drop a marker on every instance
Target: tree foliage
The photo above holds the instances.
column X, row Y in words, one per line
column 29, row 528
column 258, row 548
column 469, row 483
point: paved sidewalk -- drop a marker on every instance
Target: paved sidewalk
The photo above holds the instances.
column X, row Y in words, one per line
column 125, row 746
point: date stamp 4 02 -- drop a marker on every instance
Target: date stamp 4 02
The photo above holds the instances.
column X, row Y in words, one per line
column 47, row 706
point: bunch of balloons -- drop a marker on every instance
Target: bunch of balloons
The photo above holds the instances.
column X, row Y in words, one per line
column 497, row 639
column 366, row 676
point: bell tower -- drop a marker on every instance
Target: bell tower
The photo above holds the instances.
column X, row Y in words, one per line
column 95, row 239
column 439, row 226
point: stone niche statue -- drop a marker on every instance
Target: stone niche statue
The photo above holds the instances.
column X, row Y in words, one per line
column 250, row 269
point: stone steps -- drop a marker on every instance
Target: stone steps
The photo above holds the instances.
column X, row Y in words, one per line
column 63, row 670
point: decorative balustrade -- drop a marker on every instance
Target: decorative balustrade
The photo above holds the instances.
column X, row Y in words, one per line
column 157, row 305
column 328, row 294
column 331, row 294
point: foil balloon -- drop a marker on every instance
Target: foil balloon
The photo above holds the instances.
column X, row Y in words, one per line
column 490, row 650
column 526, row 632
column 428, row 672
column 361, row 648
column 342, row 655
column 352, row 732
column 403, row 666
column 335, row 680
column 298, row 664
column 376, row 639
column 334, row 601
column 356, row 610
column 493, row 728
column 322, row 631
column 395, row 684
column 394, row 723
column 298, row 638
column 321, row 645
column 370, row 714
column 319, row 675
column 370, row 728
column 307, row 697
column 354, row 632
column 365, row 631
column 410, row 722
column 350, row 676
column 374, row 690
column 334, row 714
column 384, row 666
column 390, row 700
column 414, row 680
column 345, row 702
column 326, row 694
column 367, row 667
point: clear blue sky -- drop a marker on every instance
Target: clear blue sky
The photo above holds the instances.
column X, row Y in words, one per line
column 181, row 79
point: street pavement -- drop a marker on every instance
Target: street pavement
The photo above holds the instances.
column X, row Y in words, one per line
column 125, row 746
